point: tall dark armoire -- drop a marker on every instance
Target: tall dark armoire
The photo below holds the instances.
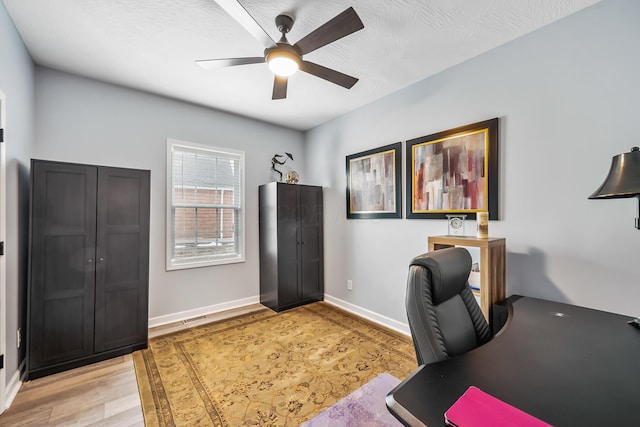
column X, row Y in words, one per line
column 88, row 265
column 291, row 245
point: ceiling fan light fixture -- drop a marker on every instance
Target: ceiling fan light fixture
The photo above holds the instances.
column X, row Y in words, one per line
column 283, row 60
column 283, row 66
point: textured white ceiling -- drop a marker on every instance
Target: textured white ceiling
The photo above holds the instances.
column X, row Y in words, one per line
column 152, row 44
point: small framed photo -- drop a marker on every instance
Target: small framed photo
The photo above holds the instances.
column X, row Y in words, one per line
column 455, row 224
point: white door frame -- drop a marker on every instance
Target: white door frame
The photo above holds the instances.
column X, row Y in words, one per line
column 3, row 263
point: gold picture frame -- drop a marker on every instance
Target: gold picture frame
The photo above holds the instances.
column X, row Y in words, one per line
column 374, row 183
column 454, row 172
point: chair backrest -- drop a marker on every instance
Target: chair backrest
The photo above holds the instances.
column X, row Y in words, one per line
column 444, row 317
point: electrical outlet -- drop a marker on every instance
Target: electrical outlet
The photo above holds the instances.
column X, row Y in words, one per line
column 18, row 338
column 349, row 285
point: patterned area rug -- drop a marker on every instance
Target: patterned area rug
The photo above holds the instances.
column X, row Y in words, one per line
column 265, row 368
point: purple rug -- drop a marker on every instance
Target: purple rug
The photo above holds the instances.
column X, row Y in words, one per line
column 365, row 407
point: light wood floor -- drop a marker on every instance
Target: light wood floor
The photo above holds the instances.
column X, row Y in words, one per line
column 102, row 394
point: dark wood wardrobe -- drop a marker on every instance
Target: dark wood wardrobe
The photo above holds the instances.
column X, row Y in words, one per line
column 291, row 245
column 88, row 265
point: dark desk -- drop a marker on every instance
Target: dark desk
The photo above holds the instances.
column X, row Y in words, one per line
column 577, row 368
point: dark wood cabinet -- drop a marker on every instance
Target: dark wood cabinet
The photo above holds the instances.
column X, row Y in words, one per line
column 291, row 245
column 89, row 265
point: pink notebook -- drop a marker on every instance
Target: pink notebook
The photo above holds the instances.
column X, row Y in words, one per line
column 475, row 408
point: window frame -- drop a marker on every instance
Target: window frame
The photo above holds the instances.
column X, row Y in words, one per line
column 170, row 263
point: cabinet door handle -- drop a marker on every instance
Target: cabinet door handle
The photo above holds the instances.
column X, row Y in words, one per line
column 101, row 259
column 90, row 260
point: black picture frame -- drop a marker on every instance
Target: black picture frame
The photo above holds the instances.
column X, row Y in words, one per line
column 374, row 183
column 454, row 172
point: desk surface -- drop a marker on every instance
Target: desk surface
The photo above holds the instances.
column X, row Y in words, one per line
column 567, row 365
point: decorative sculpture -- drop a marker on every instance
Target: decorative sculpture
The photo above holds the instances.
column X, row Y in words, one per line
column 292, row 177
column 275, row 161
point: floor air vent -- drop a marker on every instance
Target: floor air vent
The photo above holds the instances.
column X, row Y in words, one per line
column 193, row 320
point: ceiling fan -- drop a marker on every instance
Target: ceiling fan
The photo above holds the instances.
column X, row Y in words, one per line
column 283, row 58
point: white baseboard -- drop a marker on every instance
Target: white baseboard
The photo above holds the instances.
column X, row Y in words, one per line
column 202, row 311
column 385, row 321
column 13, row 386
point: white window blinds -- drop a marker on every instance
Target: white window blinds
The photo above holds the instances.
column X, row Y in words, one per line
column 205, row 201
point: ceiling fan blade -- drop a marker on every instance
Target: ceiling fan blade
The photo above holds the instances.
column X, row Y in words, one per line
column 328, row 74
column 210, row 64
column 240, row 14
column 279, row 87
column 346, row 23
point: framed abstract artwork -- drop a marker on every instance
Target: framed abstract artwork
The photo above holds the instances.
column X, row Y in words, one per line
column 454, row 172
column 374, row 183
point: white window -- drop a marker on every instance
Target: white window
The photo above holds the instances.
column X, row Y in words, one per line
column 205, row 205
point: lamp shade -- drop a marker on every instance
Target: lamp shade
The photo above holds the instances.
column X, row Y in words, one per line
column 623, row 179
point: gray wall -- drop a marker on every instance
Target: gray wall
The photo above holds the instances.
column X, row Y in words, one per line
column 85, row 121
column 16, row 82
column 567, row 97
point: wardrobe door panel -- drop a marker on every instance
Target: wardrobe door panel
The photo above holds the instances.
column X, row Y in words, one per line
column 123, row 260
column 311, row 254
column 311, row 263
column 64, row 329
column 64, row 270
column 288, row 292
column 62, row 267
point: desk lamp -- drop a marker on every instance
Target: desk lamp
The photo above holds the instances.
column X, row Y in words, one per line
column 623, row 181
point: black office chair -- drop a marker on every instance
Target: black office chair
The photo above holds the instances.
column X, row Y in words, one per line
column 444, row 317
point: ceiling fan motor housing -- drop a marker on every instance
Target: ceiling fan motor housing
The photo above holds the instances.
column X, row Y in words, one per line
column 284, row 23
